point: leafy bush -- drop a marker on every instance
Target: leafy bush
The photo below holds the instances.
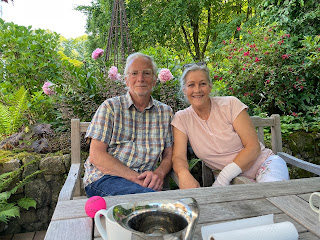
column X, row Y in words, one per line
column 263, row 69
column 28, row 57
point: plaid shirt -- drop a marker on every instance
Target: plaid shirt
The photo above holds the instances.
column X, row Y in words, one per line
column 135, row 138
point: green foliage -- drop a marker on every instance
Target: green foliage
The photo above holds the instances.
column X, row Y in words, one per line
column 264, row 70
column 98, row 22
column 10, row 209
column 309, row 121
column 298, row 17
column 28, row 57
column 75, row 48
column 178, row 25
column 13, row 111
column 81, row 93
column 193, row 162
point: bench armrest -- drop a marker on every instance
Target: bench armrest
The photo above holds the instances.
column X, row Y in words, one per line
column 310, row 167
column 69, row 186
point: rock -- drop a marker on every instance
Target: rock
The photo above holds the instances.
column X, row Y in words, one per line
column 42, row 130
column 34, row 226
column 28, row 216
column 53, row 165
column 11, row 165
column 13, row 227
column 41, row 146
column 40, row 191
column 67, row 161
column 11, row 141
column 43, row 214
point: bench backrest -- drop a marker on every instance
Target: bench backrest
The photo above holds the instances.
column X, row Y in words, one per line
column 274, row 123
column 260, row 123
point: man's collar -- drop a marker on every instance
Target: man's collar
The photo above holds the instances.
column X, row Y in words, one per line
column 130, row 101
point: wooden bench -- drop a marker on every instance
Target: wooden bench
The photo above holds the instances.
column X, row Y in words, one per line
column 73, row 185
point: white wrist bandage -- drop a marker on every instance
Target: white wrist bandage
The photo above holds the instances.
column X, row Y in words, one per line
column 228, row 173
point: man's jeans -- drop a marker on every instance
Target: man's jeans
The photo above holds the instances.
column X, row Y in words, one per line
column 112, row 185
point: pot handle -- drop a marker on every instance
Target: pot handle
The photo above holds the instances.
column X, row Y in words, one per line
column 194, row 206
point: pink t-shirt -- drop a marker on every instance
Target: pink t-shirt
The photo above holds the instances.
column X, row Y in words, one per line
column 214, row 140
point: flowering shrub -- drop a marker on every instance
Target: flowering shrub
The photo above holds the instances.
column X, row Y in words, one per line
column 47, row 88
column 113, row 74
column 97, row 53
column 268, row 72
column 165, row 75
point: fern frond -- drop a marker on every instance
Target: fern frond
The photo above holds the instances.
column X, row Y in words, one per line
column 26, row 203
column 7, row 178
column 18, row 108
column 4, row 196
column 7, row 211
column 4, row 120
column 26, row 180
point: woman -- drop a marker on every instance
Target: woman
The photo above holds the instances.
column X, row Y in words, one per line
column 221, row 134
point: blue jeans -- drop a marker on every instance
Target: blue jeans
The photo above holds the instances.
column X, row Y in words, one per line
column 113, row 185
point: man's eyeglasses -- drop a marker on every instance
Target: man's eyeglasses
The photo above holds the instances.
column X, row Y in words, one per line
column 146, row 73
column 191, row 64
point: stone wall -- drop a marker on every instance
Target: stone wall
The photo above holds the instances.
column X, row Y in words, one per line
column 305, row 146
column 44, row 189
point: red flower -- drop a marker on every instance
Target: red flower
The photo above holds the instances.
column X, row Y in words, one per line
column 294, row 114
column 243, row 69
column 246, row 53
column 238, row 28
column 285, row 56
column 221, row 78
column 257, row 60
column 215, row 76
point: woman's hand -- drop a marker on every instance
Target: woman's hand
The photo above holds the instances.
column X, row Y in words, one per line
column 186, row 180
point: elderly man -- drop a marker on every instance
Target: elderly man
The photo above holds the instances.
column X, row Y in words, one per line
column 129, row 135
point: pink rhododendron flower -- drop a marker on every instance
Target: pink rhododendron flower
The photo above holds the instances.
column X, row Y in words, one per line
column 113, row 74
column 97, row 53
column 165, row 75
column 238, row 28
column 47, row 88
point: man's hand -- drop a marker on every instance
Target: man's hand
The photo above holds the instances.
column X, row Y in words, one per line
column 151, row 180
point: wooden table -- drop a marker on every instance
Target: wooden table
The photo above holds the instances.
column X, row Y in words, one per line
column 288, row 201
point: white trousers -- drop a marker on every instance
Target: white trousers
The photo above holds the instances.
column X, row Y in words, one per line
column 273, row 169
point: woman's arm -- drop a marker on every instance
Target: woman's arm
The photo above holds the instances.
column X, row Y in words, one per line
column 247, row 156
column 248, row 135
column 180, row 162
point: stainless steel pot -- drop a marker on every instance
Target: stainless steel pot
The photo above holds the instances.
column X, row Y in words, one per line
column 163, row 219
